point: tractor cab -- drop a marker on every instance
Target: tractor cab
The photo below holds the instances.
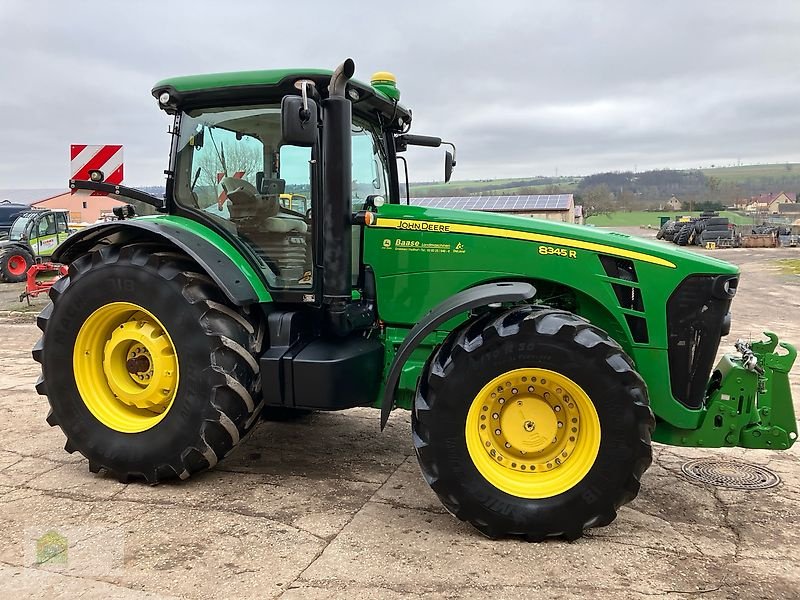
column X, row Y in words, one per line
column 242, row 165
column 234, row 169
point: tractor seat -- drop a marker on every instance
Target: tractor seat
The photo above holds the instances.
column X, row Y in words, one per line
column 285, row 225
column 246, row 201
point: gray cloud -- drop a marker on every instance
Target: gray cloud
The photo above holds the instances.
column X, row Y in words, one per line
column 522, row 87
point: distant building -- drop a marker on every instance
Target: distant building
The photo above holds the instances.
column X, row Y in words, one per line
column 673, row 204
column 766, row 203
column 789, row 208
column 553, row 207
column 82, row 207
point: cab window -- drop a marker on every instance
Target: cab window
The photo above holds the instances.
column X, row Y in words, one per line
column 369, row 178
column 369, row 165
column 46, row 225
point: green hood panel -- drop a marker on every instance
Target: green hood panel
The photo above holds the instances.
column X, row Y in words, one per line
column 556, row 233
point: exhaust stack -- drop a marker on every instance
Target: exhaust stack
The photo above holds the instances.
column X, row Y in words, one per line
column 337, row 198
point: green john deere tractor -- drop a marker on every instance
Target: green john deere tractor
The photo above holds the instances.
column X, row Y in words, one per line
column 34, row 234
column 538, row 359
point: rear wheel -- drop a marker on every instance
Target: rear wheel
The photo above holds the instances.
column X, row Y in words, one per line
column 144, row 384
column 532, row 423
column 14, row 264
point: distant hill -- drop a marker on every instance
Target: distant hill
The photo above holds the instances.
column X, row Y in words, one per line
column 723, row 184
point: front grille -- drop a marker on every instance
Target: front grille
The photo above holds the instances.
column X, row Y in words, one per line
column 696, row 319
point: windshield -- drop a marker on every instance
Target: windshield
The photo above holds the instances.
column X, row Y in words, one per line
column 18, row 228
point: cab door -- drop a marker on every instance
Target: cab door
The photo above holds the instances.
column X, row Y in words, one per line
column 62, row 227
column 46, row 240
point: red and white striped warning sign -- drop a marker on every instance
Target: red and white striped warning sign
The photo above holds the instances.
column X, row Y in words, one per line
column 106, row 158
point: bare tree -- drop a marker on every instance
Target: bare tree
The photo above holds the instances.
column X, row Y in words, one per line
column 596, row 200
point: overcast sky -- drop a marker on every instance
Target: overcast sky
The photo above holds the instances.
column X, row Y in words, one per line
column 523, row 88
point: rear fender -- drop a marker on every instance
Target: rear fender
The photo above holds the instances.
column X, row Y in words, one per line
column 217, row 258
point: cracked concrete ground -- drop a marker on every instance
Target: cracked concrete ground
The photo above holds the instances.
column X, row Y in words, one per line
column 329, row 507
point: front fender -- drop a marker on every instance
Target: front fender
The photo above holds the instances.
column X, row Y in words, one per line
column 217, row 257
column 480, row 295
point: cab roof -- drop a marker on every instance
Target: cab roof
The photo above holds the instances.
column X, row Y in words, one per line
column 248, row 87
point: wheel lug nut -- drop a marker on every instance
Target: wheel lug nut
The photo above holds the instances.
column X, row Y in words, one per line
column 560, row 424
column 495, row 415
column 497, row 432
column 557, row 408
column 514, row 391
column 508, row 445
column 502, row 400
column 530, row 388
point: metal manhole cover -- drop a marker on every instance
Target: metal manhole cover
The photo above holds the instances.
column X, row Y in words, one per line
column 730, row 474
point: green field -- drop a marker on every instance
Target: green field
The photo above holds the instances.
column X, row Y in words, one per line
column 653, row 219
column 788, row 172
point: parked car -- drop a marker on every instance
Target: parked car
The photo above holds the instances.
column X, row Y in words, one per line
column 8, row 212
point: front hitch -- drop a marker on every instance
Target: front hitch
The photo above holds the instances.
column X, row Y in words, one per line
column 748, row 401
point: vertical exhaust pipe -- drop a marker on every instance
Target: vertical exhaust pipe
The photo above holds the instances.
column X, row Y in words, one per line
column 337, row 184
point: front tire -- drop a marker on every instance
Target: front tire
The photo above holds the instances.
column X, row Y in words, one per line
column 14, row 264
column 532, row 423
column 148, row 370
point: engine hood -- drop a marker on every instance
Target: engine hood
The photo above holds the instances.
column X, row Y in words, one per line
column 404, row 217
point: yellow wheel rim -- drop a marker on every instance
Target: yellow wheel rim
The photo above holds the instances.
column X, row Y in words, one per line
column 126, row 367
column 533, row 433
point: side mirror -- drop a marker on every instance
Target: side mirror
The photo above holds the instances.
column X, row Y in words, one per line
column 299, row 121
column 449, row 165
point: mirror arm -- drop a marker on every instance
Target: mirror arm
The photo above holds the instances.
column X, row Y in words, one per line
column 408, row 139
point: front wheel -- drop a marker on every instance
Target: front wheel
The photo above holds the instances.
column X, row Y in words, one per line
column 14, row 264
column 532, row 423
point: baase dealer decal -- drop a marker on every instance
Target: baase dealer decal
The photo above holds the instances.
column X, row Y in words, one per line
column 432, row 226
column 417, row 246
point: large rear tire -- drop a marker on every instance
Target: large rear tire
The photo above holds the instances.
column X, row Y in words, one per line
column 148, row 370
column 532, row 423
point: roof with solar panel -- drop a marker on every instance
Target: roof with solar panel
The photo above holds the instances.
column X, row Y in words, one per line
column 531, row 203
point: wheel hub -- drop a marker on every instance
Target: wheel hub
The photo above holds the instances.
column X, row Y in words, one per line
column 533, row 433
column 16, row 264
column 126, row 367
column 527, row 423
column 139, row 365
